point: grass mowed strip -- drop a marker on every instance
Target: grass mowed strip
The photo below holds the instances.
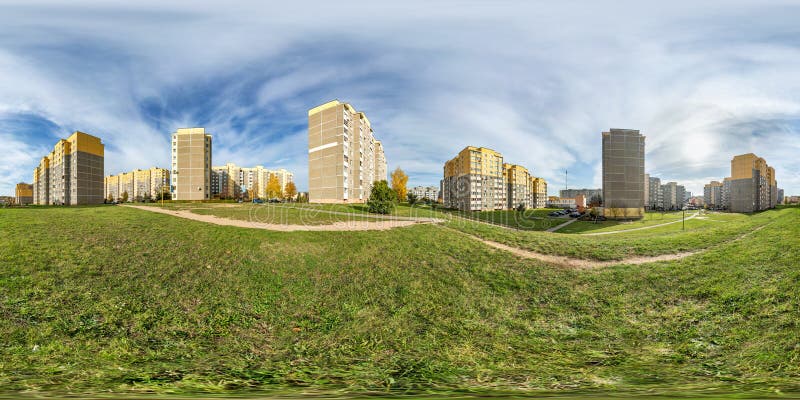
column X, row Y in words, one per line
column 700, row 234
column 98, row 299
column 650, row 219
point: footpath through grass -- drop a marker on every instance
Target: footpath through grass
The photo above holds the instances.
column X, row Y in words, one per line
column 99, row 299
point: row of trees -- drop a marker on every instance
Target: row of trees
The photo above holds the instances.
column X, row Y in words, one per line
column 124, row 197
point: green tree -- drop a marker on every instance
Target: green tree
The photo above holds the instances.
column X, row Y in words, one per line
column 399, row 180
column 125, row 196
column 381, row 199
column 412, row 198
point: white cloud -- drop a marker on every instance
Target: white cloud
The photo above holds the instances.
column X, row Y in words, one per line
column 538, row 82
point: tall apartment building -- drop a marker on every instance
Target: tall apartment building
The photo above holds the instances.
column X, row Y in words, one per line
column 191, row 164
column 673, row 195
column 473, row 180
column 725, row 194
column 538, row 192
column 517, row 180
column 752, row 184
column 72, row 174
column 623, row 174
column 712, row 194
column 780, row 196
column 344, row 158
column 381, row 172
column 139, row 184
column 226, row 181
column 23, row 193
column 655, row 196
column 646, row 191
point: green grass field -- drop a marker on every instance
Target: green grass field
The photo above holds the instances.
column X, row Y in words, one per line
column 650, row 219
column 119, row 300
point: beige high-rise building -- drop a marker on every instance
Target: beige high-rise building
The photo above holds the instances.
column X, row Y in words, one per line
column 112, row 187
column 191, row 164
column 381, row 172
column 72, row 174
column 343, row 157
column 229, row 180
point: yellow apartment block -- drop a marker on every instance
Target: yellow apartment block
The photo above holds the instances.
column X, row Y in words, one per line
column 23, row 194
column 753, row 186
column 139, row 184
column 72, row 173
column 191, row 164
column 344, row 158
column 538, row 192
column 478, row 180
column 518, row 186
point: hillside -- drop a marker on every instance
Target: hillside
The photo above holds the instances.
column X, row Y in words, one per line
column 112, row 298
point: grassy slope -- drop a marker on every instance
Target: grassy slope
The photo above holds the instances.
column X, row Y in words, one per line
column 650, row 219
column 122, row 299
column 668, row 239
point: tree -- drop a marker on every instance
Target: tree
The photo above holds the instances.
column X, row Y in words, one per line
column 412, row 198
column 163, row 194
column 273, row 187
column 381, row 199
column 291, row 191
column 521, row 207
column 125, row 196
column 399, row 180
column 110, row 198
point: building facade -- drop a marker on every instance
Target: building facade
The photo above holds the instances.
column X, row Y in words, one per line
column 753, row 186
column 72, row 174
column 538, row 192
column 344, row 158
column 473, row 180
column 232, row 182
column 712, row 195
column 517, row 180
column 655, row 196
column 425, row 192
column 588, row 193
column 623, row 174
column 136, row 185
column 191, row 164
column 23, row 194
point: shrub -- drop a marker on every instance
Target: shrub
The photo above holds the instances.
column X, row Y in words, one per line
column 381, row 199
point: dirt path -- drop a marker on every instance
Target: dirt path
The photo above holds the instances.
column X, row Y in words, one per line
column 579, row 263
column 336, row 226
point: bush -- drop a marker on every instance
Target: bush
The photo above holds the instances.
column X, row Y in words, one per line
column 381, row 199
column 412, row 199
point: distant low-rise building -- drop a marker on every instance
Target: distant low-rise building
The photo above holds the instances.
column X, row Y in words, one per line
column 23, row 194
column 425, row 192
column 137, row 185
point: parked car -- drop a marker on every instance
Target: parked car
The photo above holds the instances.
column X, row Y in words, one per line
column 258, row 201
column 555, row 214
column 575, row 215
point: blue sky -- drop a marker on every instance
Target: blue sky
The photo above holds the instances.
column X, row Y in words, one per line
column 537, row 81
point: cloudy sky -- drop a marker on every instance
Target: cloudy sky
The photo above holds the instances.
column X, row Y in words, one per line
column 537, row 81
